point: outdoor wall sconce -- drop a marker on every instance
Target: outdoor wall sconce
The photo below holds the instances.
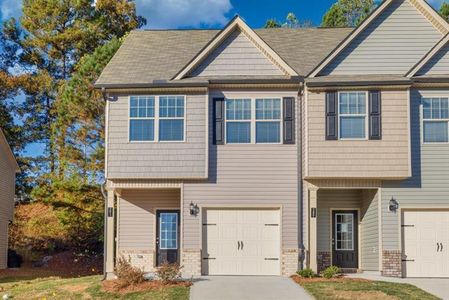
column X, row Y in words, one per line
column 313, row 212
column 393, row 205
column 193, row 209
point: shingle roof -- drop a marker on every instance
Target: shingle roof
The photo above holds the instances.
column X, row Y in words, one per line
column 149, row 56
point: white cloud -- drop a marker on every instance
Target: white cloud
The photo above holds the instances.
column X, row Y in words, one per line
column 183, row 13
column 10, row 8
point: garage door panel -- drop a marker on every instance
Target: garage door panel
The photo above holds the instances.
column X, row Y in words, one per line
column 424, row 232
column 241, row 243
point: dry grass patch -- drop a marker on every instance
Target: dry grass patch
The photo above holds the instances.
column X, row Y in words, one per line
column 117, row 286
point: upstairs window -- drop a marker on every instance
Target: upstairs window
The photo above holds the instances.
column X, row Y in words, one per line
column 352, row 115
column 171, row 118
column 435, row 120
column 156, row 118
column 268, row 120
column 141, row 119
column 238, row 121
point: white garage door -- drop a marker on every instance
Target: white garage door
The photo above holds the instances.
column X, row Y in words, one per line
column 241, row 242
column 426, row 243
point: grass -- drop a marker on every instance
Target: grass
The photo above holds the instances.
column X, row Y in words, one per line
column 367, row 290
column 88, row 287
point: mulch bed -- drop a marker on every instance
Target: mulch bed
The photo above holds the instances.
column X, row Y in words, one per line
column 117, row 286
column 300, row 280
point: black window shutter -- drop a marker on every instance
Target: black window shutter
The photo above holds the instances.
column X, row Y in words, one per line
column 289, row 120
column 375, row 117
column 219, row 121
column 331, row 115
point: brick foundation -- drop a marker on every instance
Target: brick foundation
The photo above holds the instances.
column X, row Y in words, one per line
column 392, row 263
column 191, row 262
column 323, row 260
column 290, row 261
column 139, row 258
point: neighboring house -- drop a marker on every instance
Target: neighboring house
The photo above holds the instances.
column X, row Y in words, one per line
column 8, row 170
column 258, row 152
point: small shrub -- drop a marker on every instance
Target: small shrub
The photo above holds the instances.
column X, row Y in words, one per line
column 168, row 272
column 306, row 273
column 127, row 273
column 331, row 271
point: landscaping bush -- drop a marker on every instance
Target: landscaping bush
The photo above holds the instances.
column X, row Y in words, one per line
column 168, row 272
column 306, row 273
column 127, row 273
column 331, row 271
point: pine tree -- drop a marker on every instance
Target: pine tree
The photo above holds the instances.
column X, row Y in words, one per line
column 347, row 13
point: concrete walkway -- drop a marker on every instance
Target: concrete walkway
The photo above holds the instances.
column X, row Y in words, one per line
column 436, row 286
column 246, row 288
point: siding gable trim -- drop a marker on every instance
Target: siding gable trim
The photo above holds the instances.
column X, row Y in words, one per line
column 10, row 154
column 421, row 6
column 428, row 56
column 235, row 24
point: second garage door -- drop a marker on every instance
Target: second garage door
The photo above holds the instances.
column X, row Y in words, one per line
column 426, row 243
column 241, row 242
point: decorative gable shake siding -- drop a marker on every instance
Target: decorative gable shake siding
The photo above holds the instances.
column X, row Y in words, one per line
column 236, row 56
column 438, row 64
column 429, row 185
column 392, row 44
column 384, row 158
column 7, row 188
column 248, row 175
column 134, row 160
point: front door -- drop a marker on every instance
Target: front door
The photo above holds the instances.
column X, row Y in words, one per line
column 167, row 236
column 345, row 239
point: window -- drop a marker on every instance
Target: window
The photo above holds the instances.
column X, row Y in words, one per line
column 171, row 118
column 141, row 119
column 352, row 115
column 156, row 118
column 268, row 120
column 435, row 120
column 168, row 231
column 344, row 231
column 238, row 121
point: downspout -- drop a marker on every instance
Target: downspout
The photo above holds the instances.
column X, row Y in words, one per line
column 300, row 168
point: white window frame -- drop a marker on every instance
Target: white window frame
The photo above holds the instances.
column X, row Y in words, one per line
column 421, row 112
column 253, row 120
column 177, row 231
column 365, row 115
column 156, row 119
column 352, row 231
column 141, row 118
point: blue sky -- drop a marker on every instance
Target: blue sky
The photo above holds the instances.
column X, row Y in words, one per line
column 208, row 14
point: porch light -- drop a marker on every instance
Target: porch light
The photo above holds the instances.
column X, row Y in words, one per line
column 394, row 205
column 193, row 209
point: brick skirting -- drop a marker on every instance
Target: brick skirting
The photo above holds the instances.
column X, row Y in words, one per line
column 191, row 262
column 392, row 263
column 323, row 260
column 290, row 261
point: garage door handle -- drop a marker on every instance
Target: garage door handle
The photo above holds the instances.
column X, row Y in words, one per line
column 441, row 247
column 238, row 245
column 438, row 247
column 242, row 244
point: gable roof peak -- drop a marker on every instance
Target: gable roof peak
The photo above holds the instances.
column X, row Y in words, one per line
column 236, row 23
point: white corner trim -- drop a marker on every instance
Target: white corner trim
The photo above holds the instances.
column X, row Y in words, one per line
column 237, row 22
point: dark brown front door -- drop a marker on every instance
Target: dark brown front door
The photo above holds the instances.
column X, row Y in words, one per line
column 345, row 238
column 167, row 236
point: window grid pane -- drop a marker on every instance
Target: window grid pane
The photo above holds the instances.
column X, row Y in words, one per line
column 168, row 231
column 238, row 109
column 352, row 106
column 171, row 106
column 344, row 231
column 435, row 120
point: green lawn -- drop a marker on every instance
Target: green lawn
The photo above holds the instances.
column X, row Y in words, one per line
column 351, row 289
column 78, row 288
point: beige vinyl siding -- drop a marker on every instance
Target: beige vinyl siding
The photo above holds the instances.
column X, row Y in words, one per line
column 7, row 188
column 438, row 64
column 237, row 55
column 258, row 175
column 370, row 230
column 392, row 44
column 366, row 203
column 385, row 158
column 429, row 185
column 132, row 160
column 137, row 216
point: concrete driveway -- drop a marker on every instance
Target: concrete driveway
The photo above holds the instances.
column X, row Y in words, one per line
column 246, row 288
column 436, row 286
